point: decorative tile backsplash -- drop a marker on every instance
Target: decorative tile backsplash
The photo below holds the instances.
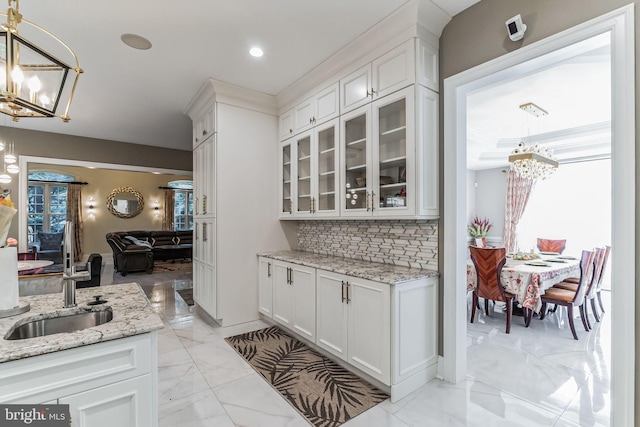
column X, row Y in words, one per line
column 412, row 243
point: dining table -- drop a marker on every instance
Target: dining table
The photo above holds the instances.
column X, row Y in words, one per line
column 528, row 279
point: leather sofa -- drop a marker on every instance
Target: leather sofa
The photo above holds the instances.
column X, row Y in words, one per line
column 137, row 250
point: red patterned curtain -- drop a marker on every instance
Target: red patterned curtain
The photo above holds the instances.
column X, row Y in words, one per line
column 518, row 191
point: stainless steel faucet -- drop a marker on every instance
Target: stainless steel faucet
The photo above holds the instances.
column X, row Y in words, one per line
column 69, row 274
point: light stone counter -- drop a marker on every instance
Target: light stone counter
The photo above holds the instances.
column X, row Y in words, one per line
column 378, row 272
column 132, row 315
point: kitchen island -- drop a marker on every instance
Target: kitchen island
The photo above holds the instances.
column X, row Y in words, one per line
column 106, row 373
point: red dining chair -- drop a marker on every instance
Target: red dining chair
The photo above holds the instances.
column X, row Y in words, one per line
column 569, row 298
column 27, row 256
column 488, row 263
column 548, row 245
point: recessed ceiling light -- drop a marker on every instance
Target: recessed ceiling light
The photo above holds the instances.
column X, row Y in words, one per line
column 256, row 51
column 135, row 41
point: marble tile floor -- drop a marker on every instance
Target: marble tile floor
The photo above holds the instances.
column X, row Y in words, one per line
column 536, row 376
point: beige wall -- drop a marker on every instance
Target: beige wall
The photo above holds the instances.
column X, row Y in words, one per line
column 68, row 147
column 478, row 35
column 100, row 183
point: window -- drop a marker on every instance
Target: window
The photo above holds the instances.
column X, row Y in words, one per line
column 183, row 205
column 47, row 203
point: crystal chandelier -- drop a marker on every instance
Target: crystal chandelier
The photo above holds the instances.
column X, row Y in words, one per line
column 532, row 162
column 33, row 82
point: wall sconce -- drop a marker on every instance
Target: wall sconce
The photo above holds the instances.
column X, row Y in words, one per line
column 91, row 207
column 156, row 208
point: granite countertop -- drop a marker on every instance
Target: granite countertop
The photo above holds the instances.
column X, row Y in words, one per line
column 378, row 272
column 132, row 315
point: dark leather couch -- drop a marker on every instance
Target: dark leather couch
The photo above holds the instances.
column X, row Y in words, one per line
column 155, row 245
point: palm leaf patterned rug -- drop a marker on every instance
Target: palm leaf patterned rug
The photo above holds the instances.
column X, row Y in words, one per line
column 325, row 393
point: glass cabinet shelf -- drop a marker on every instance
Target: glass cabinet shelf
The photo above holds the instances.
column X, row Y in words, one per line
column 359, row 141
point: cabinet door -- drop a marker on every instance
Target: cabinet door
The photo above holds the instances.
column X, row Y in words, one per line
column 370, row 328
column 394, row 70
column 331, row 323
column 325, row 200
column 326, row 104
column 427, row 153
column 209, row 122
column 265, row 286
column 208, row 240
column 354, row 89
column 355, row 137
column 286, row 125
column 427, row 64
column 304, row 304
column 304, row 165
column 286, row 175
column 393, row 155
column 208, row 291
column 303, row 115
column 123, row 404
column 283, row 295
column 198, row 274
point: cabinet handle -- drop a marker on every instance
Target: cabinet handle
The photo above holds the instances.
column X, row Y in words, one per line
column 348, row 300
column 342, row 290
column 197, row 201
column 268, row 269
column 196, row 230
column 373, row 201
column 372, row 92
column 204, row 231
column 290, row 130
column 310, row 119
column 204, row 204
column 314, row 120
column 197, row 139
column 367, row 201
column 368, row 94
column 204, row 132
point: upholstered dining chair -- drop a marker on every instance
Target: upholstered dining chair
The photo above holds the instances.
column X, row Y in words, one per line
column 595, row 285
column 569, row 298
column 549, row 245
column 488, row 263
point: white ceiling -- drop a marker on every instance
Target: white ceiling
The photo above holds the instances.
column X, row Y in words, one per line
column 574, row 87
column 140, row 96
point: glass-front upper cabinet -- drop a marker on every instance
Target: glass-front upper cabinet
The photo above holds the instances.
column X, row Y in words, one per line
column 324, row 202
column 356, row 161
column 286, row 207
column 393, row 139
column 303, row 179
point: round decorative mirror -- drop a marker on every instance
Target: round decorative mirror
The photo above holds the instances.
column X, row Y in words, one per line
column 125, row 202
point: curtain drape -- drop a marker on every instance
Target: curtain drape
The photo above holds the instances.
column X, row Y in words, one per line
column 167, row 209
column 518, row 191
column 74, row 214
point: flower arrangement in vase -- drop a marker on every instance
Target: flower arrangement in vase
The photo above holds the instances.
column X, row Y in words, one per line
column 478, row 229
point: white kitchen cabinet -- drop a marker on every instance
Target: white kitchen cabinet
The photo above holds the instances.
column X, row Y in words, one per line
column 105, row 384
column 204, row 258
column 294, row 298
column 204, row 178
column 309, row 173
column 265, row 286
column 286, row 124
column 204, row 125
column 316, row 109
column 384, row 75
column 240, row 218
column 378, row 158
column 387, row 332
column 122, row 404
column 354, row 323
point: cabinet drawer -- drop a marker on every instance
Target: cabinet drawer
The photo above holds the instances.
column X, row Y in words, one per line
column 49, row 376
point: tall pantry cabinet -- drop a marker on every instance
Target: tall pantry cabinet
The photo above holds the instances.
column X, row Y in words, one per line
column 235, row 213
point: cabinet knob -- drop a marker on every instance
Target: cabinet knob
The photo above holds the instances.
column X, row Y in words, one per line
column 367, row 201
column 290, row 130
column 372, row 92
column 204, row 132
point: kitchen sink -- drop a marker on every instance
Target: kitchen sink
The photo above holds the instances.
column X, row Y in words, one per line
column 57, row 325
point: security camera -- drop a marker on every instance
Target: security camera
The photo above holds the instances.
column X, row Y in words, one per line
column 516, row 28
